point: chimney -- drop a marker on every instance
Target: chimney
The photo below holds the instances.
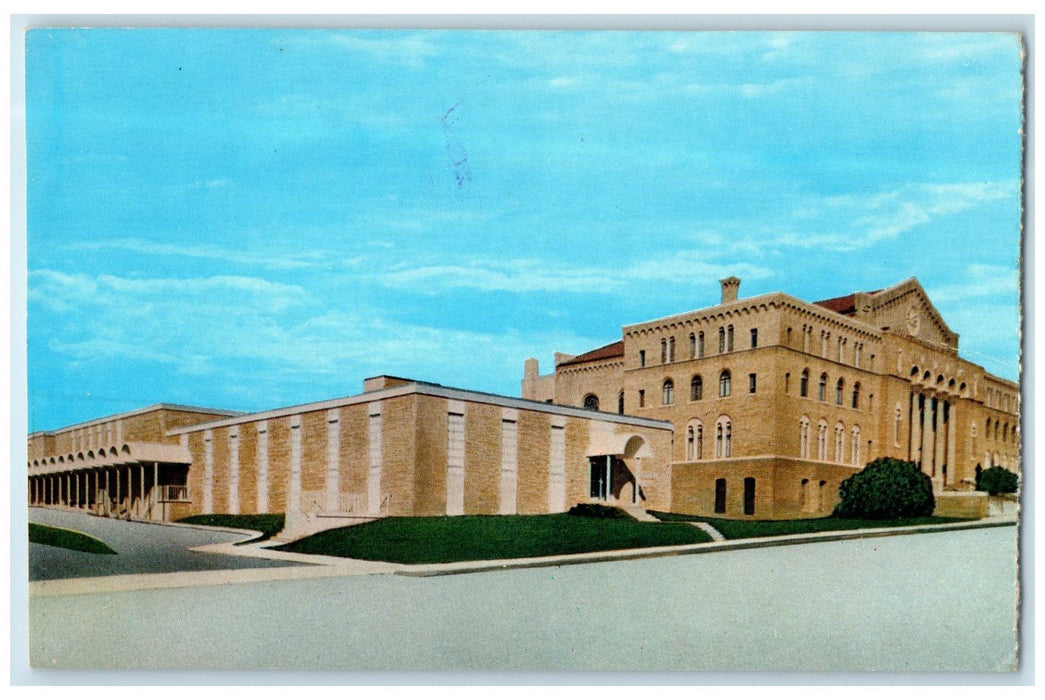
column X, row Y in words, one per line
column 730, row 287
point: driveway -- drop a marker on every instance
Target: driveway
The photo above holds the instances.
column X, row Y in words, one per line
column 141, row 548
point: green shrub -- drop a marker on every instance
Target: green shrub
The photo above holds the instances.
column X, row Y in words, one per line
column 886, row 488
column 997, row 480
column 597, row 510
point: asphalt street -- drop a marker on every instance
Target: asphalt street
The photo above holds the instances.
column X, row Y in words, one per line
column 141, row 548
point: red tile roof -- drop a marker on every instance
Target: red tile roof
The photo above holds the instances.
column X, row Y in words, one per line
column 605, row 352
column 845, row 305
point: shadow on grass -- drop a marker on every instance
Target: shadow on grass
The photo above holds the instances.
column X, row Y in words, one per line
column 743, row 529
column 267, row 523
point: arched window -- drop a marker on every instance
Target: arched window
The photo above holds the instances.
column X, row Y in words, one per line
column 671, row 349
column 803, row 384
column 663, row 351
column 729, row 339
column 987, row 429
column 721, row 340
column 696, row 388
column 856, row 395
column 822, row 391
column 839, row 390
column 840, row 443
column 856, row 446
column 692, row 346
column 724, row 383
column 591, row 402
column 821, row 440
column 668, row 393
column 803, row 438
column 700, row 344
column 694, row 440
column 620, row 403
column 897, row 420
column 723, row 437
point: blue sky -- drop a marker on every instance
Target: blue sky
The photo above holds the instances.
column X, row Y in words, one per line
column 249, row 219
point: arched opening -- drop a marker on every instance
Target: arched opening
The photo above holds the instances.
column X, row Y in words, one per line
column 591, row 402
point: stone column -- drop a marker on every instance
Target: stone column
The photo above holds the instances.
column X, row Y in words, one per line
column 927, row 444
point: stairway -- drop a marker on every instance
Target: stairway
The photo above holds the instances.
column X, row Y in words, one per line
column 639, row 513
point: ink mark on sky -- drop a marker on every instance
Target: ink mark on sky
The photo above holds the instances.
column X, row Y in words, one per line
column 454, row 147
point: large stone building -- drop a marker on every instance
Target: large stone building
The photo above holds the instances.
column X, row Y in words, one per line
column 775, row 401
column 753, row 408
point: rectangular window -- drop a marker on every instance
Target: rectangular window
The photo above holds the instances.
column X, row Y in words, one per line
column 749, row 496
column 751, row 382
column 642, row 398
column 642, row 358
column 754, row 337
column 720, row 495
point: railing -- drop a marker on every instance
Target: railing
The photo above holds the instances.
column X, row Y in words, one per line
column 173, row 494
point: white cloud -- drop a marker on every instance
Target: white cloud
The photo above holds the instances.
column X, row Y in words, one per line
column 979, row 281
column 281, row 261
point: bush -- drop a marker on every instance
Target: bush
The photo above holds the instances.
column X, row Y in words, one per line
column 597, row 510
column 886, row 488
column 997, row 480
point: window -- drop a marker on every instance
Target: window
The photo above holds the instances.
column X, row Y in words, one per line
column 898, row 419
column 724, row 381
column 700, row 344
column 754, row 337
column 749, row 495
column 821, row 440
column 721, row 340
column 723, row 437
column 751, row 383
column 591, row 402
column 692, row 346
column 840, row 443
column 642, row 358
column 620, row 403
column 856, row 395
column 822, row 392
column 789, row 335
column 720, row 495
column 696, row 388
column 663, row 352
column 803, row 438
column 694, row 440
column 668, row 392
column 839, row 390
column 856, row 446
column 671, row 349
column 803, row 385
column 690, row 443
column 642, row 398
column 729, row 339
column 787, row 382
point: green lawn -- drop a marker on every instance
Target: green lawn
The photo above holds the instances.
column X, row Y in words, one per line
column 480, row 537
column 268, row 523
column 67, row 539
column 742, row 529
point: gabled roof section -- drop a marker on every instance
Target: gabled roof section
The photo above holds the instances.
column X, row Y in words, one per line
column 606, row 352
column 845, row 305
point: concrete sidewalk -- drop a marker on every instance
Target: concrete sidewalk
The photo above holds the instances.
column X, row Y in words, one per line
column 313, row 566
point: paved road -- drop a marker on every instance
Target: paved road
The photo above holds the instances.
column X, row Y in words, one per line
column 939, row 602
column 141, row 548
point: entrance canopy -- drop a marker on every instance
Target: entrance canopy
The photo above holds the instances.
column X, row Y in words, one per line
column 128, row 453
column 617, row 445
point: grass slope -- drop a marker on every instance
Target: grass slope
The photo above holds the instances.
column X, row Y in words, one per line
column 67, row 539
column 742, row 529
column 268, row 523
column 479, row 537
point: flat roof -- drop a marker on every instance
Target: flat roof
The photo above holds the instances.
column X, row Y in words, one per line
column 138, row 412
column 428, row 389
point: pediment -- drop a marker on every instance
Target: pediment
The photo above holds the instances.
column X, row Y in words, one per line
column 906, row 309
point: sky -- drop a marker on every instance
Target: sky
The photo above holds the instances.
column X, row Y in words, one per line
column 256, row 218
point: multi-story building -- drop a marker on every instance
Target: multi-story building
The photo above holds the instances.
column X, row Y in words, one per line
column 775, row 401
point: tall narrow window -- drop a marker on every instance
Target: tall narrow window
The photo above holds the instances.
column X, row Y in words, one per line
column 754, row 337
column 856, row 446
column 723, row 437
column 898, row 419
column 620, row 403
column 840, row 443
column 692, row 346
column 724, row 383
column 803, row 384
column 668, row 392
column 729, row 339
column 671, row 349
column 690, row 443
column 822, row 392
column 787, row 382
column 821, row 441
column 642, row 358
column 663, row 352
column 696, row 388
column 721, row 340
column 749, row 495
column 694, row 440
column 700, row 344
column 720, row 495
column 803, row 438
column 839, row 391
column 751, row 383
column 642, row 398
column 856, row 395
column 700, row 441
